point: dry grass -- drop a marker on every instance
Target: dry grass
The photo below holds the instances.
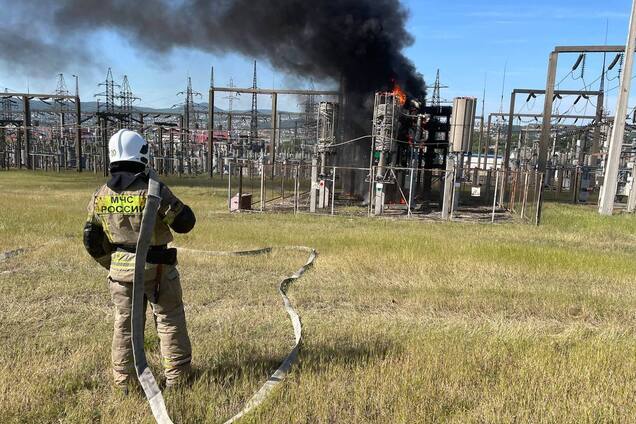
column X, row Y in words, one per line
column 404, row 321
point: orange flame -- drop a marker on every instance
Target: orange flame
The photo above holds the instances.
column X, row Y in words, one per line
column 399, row 93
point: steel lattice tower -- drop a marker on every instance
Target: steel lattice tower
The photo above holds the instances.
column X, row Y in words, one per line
column 126, row 98
column 254, row 115
column 436, row 91
column 61, row 88
column 109, row 92
column 190, row 116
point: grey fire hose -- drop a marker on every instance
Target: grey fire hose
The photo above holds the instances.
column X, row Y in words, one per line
column 144, row 374
column 283, row 369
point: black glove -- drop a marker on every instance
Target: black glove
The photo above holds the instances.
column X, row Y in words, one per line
column 96, row 244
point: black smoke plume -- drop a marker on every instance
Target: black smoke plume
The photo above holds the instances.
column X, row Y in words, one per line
column 360, row 40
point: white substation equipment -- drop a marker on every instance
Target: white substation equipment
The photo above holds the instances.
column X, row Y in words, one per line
column 461, row 134
column 327, row 131
column 385, row 126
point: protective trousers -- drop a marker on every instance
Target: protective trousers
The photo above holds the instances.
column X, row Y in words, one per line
column 163, row 292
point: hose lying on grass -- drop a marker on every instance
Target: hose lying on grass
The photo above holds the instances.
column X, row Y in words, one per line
column 144, row 374
column 283, row 369
column 11, row 253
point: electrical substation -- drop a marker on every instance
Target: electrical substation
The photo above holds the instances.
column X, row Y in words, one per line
column 417, row 157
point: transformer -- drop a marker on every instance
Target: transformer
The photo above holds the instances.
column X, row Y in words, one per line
column 406, row 135
column 327, row 131
column 462, row 123
column 327, row 127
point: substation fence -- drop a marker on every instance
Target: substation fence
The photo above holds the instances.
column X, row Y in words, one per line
column 476, row 195
column 575, row 184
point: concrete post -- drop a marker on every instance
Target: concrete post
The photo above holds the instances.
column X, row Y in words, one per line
column 4, row 162
column 546, row 126
column 182, row 140
column 449, row 181
column 511, row 115
column 262, row 183
column 631, row 200
column 161, row 168
column 487, row 144
column 171, row 150
column 210, row 160
column 596, row 138
column 78, row 135
column 26, row 125
column 610, row 183
column 272, row 147
column 481, row 136
column 314, row 182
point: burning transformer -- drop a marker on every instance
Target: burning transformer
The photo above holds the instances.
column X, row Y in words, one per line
column 410, row 144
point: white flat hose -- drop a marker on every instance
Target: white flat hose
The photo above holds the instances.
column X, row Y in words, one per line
column 144, row 374
column 283, row 369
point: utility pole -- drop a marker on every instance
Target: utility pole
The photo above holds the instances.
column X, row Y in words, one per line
column 254, row 111
column 610, row 183
column 481, row 126
column 210, row 160
column 78, row 127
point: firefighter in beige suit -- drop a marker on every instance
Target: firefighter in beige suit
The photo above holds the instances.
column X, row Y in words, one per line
column 110, row 237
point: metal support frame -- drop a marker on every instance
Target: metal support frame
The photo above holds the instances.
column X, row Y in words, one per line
column 26, row 125
column 272, row 146
column 487, row 144
column 549, row 91
column 274, row 93
column 78, row 135
column 511, row 116
column 210, row 159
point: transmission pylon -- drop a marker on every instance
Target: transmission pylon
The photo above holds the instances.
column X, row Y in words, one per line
column 126, row 96
column 190, row 113
column 436, row 91
column 108, row 93
column 254, row 115
column 230, row 98
column 62, row 90
column 126, row 99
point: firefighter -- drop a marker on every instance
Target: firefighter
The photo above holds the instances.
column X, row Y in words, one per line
column 110, row 237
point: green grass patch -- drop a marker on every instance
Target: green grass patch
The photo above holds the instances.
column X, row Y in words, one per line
column 404, row 321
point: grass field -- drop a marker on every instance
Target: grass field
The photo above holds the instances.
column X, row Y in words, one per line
column 404, row 321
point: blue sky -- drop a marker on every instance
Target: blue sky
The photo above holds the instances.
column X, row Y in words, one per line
column 466, row 40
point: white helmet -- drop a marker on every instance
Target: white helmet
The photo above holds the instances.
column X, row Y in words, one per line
column 127, row 145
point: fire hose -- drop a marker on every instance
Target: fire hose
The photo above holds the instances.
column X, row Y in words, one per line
column 283, row 369
column 144, row 374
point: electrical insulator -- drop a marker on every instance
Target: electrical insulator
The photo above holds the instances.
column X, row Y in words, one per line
column 578, row 62
column 615, row 61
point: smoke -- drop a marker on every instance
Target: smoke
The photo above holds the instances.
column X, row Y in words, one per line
column 358, row 40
